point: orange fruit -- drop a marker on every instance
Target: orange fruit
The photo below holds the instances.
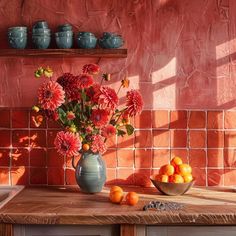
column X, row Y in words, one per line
column 116, row 188
column 162, row 178
column 183, row 169
column 187, row 178
column 116, row 196
column 85, row 147
column 167, row 170
column 132, row 198
column 176, row 161
column 176, row 179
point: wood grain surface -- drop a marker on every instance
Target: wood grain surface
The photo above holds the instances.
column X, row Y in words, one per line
column 47, row 205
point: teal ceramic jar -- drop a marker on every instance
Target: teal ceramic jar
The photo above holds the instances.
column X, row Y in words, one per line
column 90, row 172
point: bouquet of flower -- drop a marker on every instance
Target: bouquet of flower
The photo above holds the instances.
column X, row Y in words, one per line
column 88, row 110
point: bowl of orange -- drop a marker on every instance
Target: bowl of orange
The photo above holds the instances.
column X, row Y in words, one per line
column 174, row 178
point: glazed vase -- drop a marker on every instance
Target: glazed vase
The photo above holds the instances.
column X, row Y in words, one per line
column 90, row 172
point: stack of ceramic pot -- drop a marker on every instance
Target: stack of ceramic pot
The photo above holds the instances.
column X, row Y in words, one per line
column 64, row 36
column 41, row 35
column 17, row 37
column 110, row 40
column 86, row 40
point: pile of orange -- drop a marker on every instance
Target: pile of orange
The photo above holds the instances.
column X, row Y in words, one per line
column 117, row 195
column 175, row 172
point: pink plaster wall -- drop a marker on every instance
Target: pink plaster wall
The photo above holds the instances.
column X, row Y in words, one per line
column 181, row 53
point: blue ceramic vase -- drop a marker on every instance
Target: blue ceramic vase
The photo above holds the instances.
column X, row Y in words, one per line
column 90, row 172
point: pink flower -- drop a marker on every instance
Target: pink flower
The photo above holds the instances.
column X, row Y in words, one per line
column 97, row 144
column 51, row 95
column 84, row 81
column 99, row 117
column 134, row 102
column 89, row 129
column 92, row 69
column 67, row 143
column 108, row 131
column 92, row 92
column 107, row 98
column 70, row 115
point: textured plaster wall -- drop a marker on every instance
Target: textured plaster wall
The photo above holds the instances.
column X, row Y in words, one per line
column 181, row 53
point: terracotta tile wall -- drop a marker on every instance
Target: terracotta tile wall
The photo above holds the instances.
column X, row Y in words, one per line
column 205, row 139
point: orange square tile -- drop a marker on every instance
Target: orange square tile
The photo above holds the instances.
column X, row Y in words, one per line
column 38, row 138
column 20, row 138
column 197, row 158
column 70, row 177
column 215, row 119
column 230, row 177
column 229, row 157
column 160, row 119
column 142, row 177
column 161, row 138
column 178, row 119
column 56, row 176
column 215, row 158
column 125, row 176
column 230, row 138
column 5, row 120
column 215, row 139
column 20, row 118
column 143, row 138
column 20, row 175
column 230, row 119
column 197, row 119
column 197, row 139
column 54, row 159
column 143, row 158
column 144, row 120
column 182, row 153
column 51, row 135
column 215, row 177
column 4, row 157
column 4, row 176
column 38, row 157
column 20, row 157
column 38, row 175
column 5, row 138
column 111, row 175
column 34, row 114
column 199, row 175
column 160, row 157
column 125, row 142
column 178, row 138
column 110, row 158
column 125, row 157
column 111, row 142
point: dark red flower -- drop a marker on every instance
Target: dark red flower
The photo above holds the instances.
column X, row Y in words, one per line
column 84, row 81
column 99, row 117
column 134, row 102
column 51, row 95
column 97, row 144
column 108, row 131
column 92, row 69
column 92, row 92
column 107, row 98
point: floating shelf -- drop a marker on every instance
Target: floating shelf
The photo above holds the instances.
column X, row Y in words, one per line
column 109, row 53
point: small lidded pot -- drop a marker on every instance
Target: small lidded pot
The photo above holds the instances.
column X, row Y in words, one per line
column 64, row 36
column 86, row 40
column 110, row 40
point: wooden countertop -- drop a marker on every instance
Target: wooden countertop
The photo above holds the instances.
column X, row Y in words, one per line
column 47, row 205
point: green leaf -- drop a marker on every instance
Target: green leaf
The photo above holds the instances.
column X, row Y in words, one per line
column 121, row 132
column 130, row 129
column 62, row 115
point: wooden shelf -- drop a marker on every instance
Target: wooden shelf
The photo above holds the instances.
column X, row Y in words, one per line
column 109, row 53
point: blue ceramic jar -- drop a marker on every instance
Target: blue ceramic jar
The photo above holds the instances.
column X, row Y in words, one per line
column 17, row 37
column 86, row 40
column 64, row 37
column 111, row 40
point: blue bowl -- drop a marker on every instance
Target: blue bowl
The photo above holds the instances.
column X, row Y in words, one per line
column 86, row 41
column 17, row 28
column 41, row 42
column 85, row 34
column 64, row 42
column 17, row 42
column 41, row 31
column 64, row 34
column 40, row 24
column 65, row 27
column 17, row 34
column 111, row 42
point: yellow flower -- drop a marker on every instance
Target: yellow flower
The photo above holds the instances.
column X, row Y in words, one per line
column 35, row 108
column 48, row 72
column 39, row 72
column 125, row 82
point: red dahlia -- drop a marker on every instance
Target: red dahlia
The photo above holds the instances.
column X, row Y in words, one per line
column 51, row 95
column 97, row 144
column 107, row 98
column 99, row 117
column 92, row 69
column 67, row 143
column 92, row 92
column 84, row 81
column 134, row 102
column 108, row 131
